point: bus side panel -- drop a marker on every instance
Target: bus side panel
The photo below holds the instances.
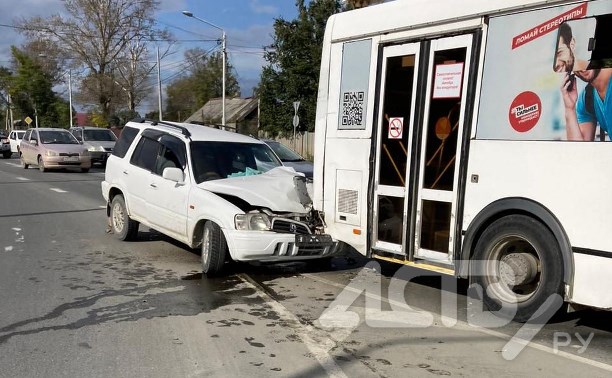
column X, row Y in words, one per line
column 346, row 190
column 321, row 116
column 568, row 178
column 592, row 281
column 342, row 155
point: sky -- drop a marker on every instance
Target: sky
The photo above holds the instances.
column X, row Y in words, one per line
column 248, row 25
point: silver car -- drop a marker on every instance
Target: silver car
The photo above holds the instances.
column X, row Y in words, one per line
column 98, row 141
column 52, row 149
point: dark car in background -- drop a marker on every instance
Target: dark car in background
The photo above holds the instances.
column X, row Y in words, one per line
column 5, row 145
column 290, row 158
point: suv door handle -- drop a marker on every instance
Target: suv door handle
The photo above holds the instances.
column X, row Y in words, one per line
column 153, row 185
column 125, row 172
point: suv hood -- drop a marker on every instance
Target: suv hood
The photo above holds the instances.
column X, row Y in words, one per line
column 280, row 189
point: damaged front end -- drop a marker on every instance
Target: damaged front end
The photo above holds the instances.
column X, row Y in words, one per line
column 279, row 203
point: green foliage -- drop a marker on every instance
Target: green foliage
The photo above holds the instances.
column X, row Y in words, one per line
column 99, row 119
column 152, row 115
column 30, row 87
column 292, row 73
column 202, row 82
column 124, row 117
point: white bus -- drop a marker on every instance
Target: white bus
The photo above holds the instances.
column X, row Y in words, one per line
column 446, row 138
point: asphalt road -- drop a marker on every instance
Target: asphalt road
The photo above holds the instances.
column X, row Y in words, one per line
column 76, row 302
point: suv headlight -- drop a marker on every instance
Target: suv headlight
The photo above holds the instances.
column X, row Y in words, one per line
column 51, row 153
column 254, row 221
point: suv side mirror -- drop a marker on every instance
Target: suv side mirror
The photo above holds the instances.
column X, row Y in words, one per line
column 174, row 174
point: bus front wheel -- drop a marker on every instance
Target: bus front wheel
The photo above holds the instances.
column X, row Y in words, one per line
column 518, row 265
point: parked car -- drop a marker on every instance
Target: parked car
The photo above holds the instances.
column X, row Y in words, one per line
column 15, row 138
column 99, row 142
column 224, row 192
column 5, row 145
column 51, row 149
column 290, row 158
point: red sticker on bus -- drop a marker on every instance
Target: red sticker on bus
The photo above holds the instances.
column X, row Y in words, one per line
column 525, row 111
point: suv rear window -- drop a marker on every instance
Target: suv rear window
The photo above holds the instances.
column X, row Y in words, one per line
column 128, row 134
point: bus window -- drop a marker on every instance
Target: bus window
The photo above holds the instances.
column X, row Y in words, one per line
column 442, row 133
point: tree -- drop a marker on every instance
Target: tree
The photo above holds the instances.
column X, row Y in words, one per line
column 31, row 89
column 292, row 72
column 5, row 78
column 355, row 4
column 103, row 36
column 202, row 81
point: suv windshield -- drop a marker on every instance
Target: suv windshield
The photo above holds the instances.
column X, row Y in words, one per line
column 284, row 153
column 101, row 135
column 56, row 137
column 219, row 160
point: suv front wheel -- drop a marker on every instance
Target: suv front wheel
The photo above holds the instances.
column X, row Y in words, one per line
column 123, row 226
column 214, row 249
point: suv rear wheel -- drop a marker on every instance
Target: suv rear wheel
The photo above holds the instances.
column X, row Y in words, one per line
column 123, row 226
column 214, row 249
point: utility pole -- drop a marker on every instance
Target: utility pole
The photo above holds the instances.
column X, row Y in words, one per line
column 10, row 107
column 223, row 51
column 159, row 85
column 70, row 94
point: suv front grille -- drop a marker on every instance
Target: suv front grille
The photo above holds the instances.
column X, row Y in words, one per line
column 68, row 154
column 289, row 226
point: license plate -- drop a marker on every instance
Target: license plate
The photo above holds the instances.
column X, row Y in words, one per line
column 313, row 240
column 72, row 158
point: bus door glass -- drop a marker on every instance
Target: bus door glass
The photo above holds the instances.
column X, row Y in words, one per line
column 397, row 94
column 442, row 128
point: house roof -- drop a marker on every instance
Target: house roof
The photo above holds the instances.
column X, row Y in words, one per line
column 236, row 109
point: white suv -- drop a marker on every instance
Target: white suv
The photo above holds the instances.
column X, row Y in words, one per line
column 225, row 192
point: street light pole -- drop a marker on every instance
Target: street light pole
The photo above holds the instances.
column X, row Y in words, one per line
column 70, row 94
column 223, row 50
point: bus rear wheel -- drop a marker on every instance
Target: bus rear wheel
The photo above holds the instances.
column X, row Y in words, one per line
column 519, row 266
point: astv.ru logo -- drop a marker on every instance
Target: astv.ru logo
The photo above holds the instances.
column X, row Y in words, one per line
column 401, row 315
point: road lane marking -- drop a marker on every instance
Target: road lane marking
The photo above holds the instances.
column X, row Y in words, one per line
column 317, row 341
column 23, row 178
column 462, row 325
column 58, row 190
column 14, row 164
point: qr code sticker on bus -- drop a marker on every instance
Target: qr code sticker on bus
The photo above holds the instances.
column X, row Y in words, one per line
column 352, row 108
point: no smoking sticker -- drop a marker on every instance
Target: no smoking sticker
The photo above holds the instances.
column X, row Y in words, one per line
column 396, row 127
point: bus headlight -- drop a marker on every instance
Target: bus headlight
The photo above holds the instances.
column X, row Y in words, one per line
column 254, row 221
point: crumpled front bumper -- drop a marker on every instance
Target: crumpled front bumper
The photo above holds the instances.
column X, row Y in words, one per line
column 273, row 246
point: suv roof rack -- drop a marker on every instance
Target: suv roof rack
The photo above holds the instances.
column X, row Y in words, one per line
column 183, row 129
